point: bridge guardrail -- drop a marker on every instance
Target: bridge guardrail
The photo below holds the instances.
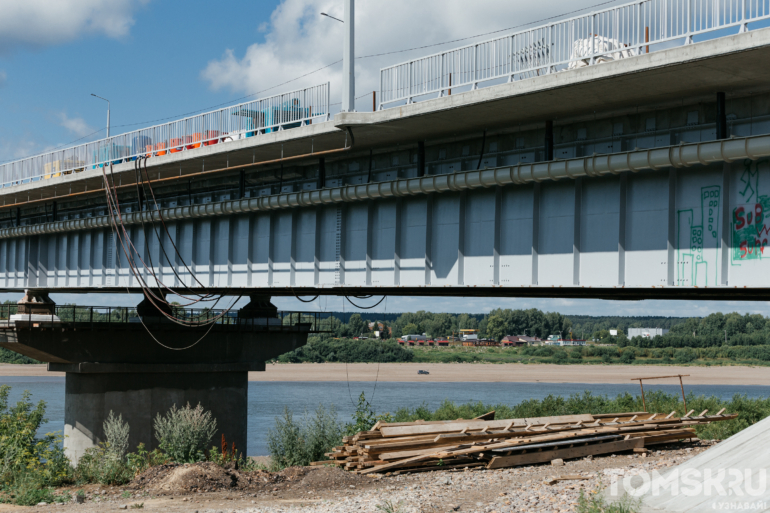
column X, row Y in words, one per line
column 611, row 34
column 97, row 317
column 280, row 112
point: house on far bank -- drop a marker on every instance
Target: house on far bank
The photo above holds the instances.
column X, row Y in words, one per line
column 483, row 342
column 563, row 343
column 646, row 332
column 520, row 340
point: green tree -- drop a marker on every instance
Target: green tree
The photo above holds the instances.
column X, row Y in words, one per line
column 411, row 329
column 497, row 328
column 356, row 325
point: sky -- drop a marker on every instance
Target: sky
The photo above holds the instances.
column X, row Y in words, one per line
column 157, row 61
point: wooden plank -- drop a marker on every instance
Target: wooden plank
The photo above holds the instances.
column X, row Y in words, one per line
column 572, row 452
column 621, row 415
column 656, row 439
column 533, row 438
column 442, row 467
column 425, row 428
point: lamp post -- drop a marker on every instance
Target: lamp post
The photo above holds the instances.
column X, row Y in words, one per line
column 348, row 57
column 108, row 111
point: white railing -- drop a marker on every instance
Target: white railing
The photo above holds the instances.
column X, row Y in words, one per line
column 280, row 112
column 601, row 36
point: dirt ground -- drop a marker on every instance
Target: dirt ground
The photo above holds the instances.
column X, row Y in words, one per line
column 207, row 488
column 479, row 372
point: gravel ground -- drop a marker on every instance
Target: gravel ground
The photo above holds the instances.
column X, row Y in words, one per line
column 325, row 490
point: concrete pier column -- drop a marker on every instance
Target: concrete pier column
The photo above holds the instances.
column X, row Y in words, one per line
column 140, row 392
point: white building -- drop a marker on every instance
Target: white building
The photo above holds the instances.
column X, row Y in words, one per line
column 646, row 332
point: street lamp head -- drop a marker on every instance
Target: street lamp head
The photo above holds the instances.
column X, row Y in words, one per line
column 332, row 17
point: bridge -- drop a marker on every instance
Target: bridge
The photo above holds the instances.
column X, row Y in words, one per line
column 621, row 154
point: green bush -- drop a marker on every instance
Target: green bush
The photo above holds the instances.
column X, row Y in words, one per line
column 560, row 357
column 110, row 463
column 348, row 350
column 185, row 433
column 29, row 465
column 293, row 443
column 628, row 356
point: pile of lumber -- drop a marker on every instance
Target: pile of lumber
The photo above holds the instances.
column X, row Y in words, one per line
column 483, row 441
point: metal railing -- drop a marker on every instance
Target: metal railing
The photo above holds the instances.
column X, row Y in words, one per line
column 601, row 36
column 100, row 317
column 280, row 112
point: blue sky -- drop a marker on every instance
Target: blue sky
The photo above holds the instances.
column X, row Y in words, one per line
column 160, row 59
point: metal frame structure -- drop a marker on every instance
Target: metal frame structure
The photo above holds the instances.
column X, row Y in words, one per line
column 99, row 317
column 600, row 36
column 280, row 112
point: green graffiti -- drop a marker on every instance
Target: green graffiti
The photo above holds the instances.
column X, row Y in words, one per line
column 698, row 244
column 749, row 233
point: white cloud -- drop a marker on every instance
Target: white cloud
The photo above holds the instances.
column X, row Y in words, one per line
column 77, row 126
column 37, row 23
column 17, row 148
column 299, row 40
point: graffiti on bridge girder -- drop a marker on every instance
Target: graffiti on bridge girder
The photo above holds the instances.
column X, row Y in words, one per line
column 749, row 231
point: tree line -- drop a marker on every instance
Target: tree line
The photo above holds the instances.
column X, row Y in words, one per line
column 718, row 329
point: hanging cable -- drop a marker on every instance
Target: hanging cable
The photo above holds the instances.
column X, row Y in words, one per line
column 116, row 219
column 366, row 307
column 171, row 239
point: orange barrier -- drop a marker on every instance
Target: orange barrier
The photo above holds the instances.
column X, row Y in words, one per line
column 213, row 135
column 148, row 150
column 160, row 146
column 195, row 140
column 176, row 145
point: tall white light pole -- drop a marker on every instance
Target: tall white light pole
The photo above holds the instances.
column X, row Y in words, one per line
column 108, row 112
column 348, row 59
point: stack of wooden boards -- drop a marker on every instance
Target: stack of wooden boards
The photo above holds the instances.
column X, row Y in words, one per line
column 440, row 445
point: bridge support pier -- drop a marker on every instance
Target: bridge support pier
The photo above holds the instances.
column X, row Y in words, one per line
column 139, row 393
column 140, row 370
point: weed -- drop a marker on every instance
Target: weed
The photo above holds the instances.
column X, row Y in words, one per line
column 116, row 433
column 293, row 443
column 390, row 507
column 596, row 503
column 126, row 494
column 184, row 433
column 138, row 505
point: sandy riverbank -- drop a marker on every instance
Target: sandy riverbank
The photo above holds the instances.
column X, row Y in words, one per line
column 464, row 372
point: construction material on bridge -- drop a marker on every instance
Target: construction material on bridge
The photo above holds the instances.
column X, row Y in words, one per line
column 482, row 442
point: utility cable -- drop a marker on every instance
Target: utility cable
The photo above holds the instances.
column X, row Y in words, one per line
column 170, row 238
column 116, row 220
column 366, row 307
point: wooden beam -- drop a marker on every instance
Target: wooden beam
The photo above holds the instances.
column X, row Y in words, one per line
column 449, row 427
column 571, row 453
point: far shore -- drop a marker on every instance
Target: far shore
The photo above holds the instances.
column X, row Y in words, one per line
column 479, row 372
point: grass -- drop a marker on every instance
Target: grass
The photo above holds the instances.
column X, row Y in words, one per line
column 596, row 503
column 459, row 354
column 749, row 411
column 390, row 507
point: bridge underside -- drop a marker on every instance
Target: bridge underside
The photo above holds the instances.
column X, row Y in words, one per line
column 697, row 232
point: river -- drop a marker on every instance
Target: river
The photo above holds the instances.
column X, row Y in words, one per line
column 268, row 399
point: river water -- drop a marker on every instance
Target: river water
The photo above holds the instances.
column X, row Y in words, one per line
column 268, row 399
